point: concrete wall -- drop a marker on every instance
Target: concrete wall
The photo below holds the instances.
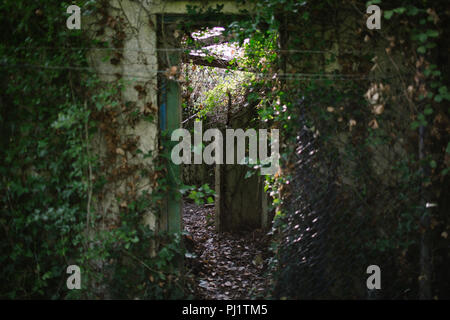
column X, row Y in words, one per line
column 342, row 44
column 125, row 137
column 124, row 134
column 241, row 203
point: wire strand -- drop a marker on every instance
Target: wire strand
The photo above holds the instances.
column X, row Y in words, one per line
column 287, row 76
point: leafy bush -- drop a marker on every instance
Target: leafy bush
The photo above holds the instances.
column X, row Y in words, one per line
column 47, row 107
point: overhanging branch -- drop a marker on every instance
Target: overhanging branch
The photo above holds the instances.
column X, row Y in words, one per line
column 204, row 61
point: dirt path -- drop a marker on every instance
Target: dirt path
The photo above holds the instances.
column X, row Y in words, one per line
column 227, row 266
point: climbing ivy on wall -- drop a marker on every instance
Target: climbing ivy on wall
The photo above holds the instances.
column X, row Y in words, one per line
column 43, row 150
column 322, row 107
column 52, row 106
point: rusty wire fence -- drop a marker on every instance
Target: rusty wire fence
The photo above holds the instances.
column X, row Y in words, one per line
column 361, row 189
column 361, row 192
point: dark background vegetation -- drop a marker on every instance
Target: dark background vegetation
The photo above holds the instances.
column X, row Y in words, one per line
column 339, row 205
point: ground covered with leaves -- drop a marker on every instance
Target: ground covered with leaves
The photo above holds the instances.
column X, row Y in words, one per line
column 226, row 266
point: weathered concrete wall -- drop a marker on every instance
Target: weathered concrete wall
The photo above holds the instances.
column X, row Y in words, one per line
column 241, row 202
column 179, row 7
column 240, row 206
column 198, row 174
column 127, row 139
column 341, row 45
column 124, row 127
column 359, row 128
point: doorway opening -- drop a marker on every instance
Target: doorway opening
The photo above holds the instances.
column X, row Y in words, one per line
column 224, row 208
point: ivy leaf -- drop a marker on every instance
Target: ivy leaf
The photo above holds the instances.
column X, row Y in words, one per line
column 400, row 10
column 388, row 14
column 415, row 125
column 412, row 11
column 422, row 37
column 248, row 174
column 421, row 49
column 432, row 33
column 443, row 90
column 428, row 111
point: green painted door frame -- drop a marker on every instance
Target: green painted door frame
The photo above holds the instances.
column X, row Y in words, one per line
column 170, row 114
column 174, row 204
column 170, row 117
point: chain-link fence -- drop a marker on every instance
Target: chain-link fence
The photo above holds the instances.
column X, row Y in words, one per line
column 360, row 193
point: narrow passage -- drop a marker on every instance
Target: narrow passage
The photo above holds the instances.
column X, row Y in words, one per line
column 227, row 266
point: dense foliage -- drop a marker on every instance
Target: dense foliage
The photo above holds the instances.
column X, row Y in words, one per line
column 358, row 165
column 43, row 152
column 51, row 104
column 361, row 155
